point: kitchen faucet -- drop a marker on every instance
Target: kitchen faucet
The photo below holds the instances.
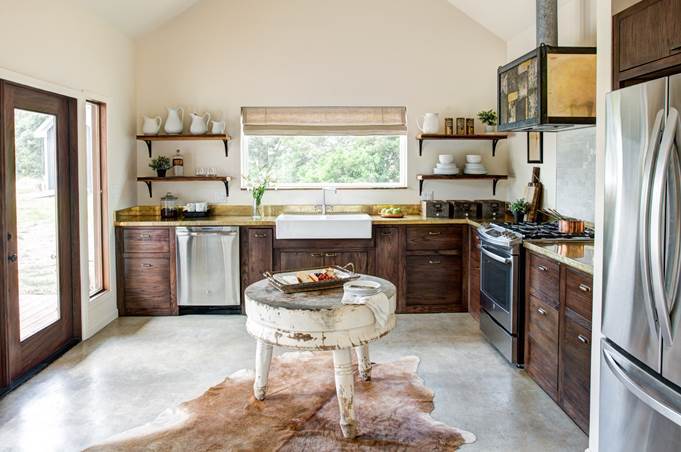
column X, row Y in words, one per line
column 324, row 190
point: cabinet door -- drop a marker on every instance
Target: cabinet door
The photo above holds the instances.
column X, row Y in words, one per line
column 641, row 32
column 359, row 258
column 388, row 254
column 674, row 25
column 474, row 274
column 295, row 260
column 259, row 254
column 575, row 368
column 541, row 360
column 434, row 284
column 147, row 286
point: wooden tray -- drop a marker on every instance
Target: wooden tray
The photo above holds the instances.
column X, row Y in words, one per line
column 345, row 273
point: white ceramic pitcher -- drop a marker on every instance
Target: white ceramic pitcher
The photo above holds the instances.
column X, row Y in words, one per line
column 431, row 123
column 174, row 120
column 151, row 126
column 218, row 127
column 199, row 124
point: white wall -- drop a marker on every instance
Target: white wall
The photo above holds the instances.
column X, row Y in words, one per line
column 223, row 54
column 58, row 47
column 576, row 27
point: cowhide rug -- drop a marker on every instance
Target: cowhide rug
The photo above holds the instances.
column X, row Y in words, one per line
column 300, row 413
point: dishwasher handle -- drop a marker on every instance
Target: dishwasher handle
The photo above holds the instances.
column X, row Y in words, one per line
column 209, row 234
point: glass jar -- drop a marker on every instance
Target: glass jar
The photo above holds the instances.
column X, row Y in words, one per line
column 169, row 207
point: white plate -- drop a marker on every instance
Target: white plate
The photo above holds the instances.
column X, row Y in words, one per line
column 475, row 173
column 445, row 172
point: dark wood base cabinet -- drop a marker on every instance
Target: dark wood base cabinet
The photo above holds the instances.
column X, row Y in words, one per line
column 145, row 269
column 558, row 334
column 473, row 273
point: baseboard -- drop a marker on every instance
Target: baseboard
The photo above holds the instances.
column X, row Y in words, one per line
column 103, row 322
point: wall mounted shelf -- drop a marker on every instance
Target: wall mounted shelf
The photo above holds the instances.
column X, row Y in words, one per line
column 495, row 178
column 493, row 137
column 149, row 180
column 149, row 139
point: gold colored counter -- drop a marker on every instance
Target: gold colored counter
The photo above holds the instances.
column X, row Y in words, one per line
column 579, row 255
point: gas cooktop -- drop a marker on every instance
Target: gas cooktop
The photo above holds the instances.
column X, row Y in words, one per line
column 544, row 231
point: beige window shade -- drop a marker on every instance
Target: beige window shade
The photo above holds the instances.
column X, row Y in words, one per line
column 324, row 120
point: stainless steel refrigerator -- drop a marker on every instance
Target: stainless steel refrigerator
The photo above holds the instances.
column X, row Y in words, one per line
column 640, row 390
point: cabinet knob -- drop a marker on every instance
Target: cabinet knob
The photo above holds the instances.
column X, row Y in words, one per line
column 12, row 258
column 541, row 311
column 583, row 339
column 584, row 288
column 541, row 268
column 433, row 233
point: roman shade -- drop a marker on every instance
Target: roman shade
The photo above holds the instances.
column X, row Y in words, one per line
column 324, row 121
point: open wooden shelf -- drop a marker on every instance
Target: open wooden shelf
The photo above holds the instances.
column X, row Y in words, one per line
column 149, row 180
column 495, row 178
column 149, row 139
column 493, row 137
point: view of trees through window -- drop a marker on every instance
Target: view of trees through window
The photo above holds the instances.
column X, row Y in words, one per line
column 374, row 161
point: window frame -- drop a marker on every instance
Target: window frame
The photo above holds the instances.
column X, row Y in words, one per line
column 401, row 184
column 100, row 202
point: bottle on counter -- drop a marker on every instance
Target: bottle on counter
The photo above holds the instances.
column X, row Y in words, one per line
column 178, row 164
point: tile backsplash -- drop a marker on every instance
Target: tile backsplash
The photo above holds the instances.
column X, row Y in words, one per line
column 576, row 173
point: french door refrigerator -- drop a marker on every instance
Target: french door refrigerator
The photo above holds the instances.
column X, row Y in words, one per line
column 640, row 398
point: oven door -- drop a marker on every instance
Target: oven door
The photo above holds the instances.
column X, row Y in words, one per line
column 498, row 278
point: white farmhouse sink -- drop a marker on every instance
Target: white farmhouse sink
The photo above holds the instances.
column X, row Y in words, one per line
column 340, row 226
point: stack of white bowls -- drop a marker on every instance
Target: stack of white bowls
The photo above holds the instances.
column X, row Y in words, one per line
column 446, row 165
column 473, row 165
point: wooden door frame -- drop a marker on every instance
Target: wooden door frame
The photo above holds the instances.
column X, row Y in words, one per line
column 70, row 163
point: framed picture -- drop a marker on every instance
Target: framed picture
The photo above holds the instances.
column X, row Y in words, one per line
column 535, row 147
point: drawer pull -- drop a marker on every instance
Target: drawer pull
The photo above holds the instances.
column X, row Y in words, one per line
column 675, row 48
column 433, row 233
column 330, row 254
column 317, row 254
column 541, row 311
column 147, row 265
column 433, row 262
column 582, row 339
column 584, row 288
column 260, row 235
column 387, row 232
column 541, row 268
column 145, row 236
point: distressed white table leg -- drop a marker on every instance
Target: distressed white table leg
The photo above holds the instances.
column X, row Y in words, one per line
column 263, row 357
column 345, row 391
column 363, row 362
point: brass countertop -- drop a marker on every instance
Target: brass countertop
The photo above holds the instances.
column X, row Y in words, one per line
column 579, row 255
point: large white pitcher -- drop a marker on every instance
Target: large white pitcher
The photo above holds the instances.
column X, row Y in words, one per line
column 151, row 126
column 174, row 120
column 431, row 123
column 199, row 124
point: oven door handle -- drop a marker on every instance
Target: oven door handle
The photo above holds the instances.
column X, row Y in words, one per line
column 503, row 260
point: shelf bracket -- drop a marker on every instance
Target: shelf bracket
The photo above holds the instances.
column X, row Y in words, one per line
column 226, row 182
column 148, row 183
column 148, row 147
column 226, row 143
column 494, row 186
column 420, row 187
column 420, row 147
column 494, row 147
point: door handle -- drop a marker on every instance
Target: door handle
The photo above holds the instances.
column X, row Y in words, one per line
column 145, row 236
column 12, row 258
column 493, row 256
column 541, row 311
column 541, row 268
column 582, row 339
column 434, row 233
column 259, row 236
column 584, row 288
column 317, row 254
column 387, row 232
column 330, row 255
column 675, row 48
column 432, row 262
column 147, row 265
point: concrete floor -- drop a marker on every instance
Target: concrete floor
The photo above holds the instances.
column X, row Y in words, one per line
column 137, row 367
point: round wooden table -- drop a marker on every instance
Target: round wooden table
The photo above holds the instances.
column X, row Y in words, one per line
column 316, row 321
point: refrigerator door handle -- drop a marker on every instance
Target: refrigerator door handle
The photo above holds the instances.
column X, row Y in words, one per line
column 644, row 223
column 643, row 387
column 657, row 237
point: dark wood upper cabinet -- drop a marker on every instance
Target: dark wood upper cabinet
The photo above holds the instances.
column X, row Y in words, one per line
column 646, row 42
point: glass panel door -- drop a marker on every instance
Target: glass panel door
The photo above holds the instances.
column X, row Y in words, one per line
column 37, row 224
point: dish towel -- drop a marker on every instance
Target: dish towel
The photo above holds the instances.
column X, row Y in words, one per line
column 378, row 303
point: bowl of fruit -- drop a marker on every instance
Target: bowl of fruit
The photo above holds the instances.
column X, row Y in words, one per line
column 392, row 212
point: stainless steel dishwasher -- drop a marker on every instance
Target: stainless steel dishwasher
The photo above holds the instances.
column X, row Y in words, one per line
column 207, row 268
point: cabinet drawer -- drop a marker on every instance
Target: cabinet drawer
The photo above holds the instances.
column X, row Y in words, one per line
column 434, row 238
column 578, row 292
column 147, row 286
column 544, row 275
column 542, row 322
column 295, row 260
column 146, row 240
column 434, row 280
column 576, row 368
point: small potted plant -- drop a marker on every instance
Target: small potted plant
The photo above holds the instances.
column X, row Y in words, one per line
column 257, row 184
column 160, row 164
column 519, row 207
column 489, row 119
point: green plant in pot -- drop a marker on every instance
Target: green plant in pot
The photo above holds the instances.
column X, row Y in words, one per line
column 160, row 164
column 257, row 184
column 489, row 119
column 519, row 207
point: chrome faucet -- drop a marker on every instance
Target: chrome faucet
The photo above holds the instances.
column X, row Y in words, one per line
column 324, row 190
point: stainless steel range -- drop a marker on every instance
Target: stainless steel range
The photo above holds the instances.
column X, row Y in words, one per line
column 502, row 263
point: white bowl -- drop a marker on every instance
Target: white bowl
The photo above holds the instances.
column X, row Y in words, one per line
column 445, row 158
column 473, row 158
